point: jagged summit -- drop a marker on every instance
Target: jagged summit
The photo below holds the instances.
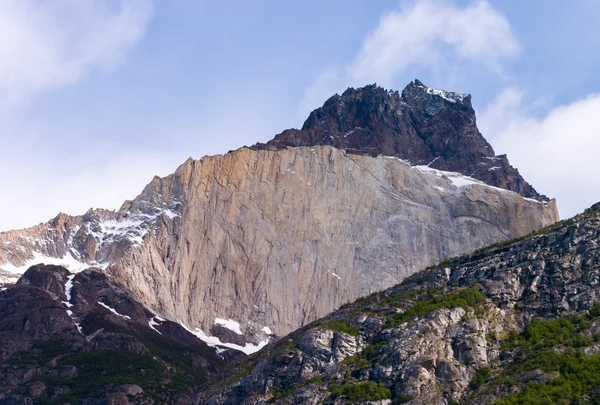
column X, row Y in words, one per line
column 422, row 125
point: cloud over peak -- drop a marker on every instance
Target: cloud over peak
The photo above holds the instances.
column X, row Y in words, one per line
column 438, row 36
column 431, row 33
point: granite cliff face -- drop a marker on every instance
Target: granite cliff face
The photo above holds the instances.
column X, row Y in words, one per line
column 260, row 242
column 279, row 239
column 515, row 323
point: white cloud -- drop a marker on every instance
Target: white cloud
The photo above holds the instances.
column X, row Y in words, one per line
column 432, row 33
column 557, row 152
column 436, row 35
column 46, row 45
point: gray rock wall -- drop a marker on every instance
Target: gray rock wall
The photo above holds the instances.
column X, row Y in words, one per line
column 282, row 238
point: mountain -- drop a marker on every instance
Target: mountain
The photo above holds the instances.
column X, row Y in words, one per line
column 514, row 323
column 264, row 240
column 81, row 339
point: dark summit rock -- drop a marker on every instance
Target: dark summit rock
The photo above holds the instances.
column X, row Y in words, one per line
column 421, row 125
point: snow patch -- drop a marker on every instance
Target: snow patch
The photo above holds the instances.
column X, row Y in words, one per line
column 67, row 261
column 215, row 342
column 68, row 289
column 460, row 181
column 334, row 275
column 152, row 323
column 229, row 324
column 267, row 330
column 398, row 159
column 113, row 310
column 104, row 230
column 8, row 279
column 67, row 303
column 446, row 95
column 457, row 179
column 351, row 131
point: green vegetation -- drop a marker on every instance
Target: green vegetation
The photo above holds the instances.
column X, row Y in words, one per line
column 341, row 326
column 100, row 367
column 432, row 299
column 402, row 399
column 317, row 380
column 362, row 391
column 481, row 375
column 553, row 348
column 356, row 361
column 578, row 375
column 370, row 352
column 97, row 368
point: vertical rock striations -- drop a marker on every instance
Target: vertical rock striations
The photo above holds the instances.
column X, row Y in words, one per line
column 281, row 238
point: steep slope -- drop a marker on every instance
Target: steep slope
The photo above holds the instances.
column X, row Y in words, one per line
column 515, row 323
column 422, row 125
column 260, row 242
column 278, row 239
column 78, row 338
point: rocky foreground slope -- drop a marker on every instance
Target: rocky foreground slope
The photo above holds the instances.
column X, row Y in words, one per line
column 260, row 242
column 515, row 323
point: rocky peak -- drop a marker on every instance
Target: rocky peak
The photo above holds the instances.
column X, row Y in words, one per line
column 422, row 125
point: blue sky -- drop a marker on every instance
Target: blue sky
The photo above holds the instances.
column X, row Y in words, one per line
column 97, row 97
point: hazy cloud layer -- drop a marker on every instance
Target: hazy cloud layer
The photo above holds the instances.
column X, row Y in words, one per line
column 54, row 185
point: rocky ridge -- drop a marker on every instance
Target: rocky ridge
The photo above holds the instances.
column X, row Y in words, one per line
column 517, row 322
column 422, row 125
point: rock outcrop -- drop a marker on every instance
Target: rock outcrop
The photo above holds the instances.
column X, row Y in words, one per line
column 517, row 321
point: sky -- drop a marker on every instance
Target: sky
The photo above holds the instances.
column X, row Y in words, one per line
column 97, row 97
